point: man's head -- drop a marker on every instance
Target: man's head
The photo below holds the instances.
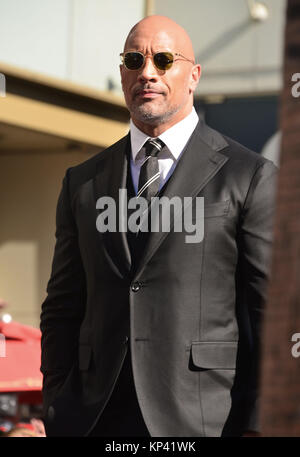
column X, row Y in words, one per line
column 158, row 99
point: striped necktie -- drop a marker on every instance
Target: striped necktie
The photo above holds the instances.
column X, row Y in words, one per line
column 149, row 172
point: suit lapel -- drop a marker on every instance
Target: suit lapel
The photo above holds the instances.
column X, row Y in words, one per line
column 110, row 181
column 198, row 164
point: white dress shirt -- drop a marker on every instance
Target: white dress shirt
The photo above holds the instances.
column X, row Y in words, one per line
column 175, row 138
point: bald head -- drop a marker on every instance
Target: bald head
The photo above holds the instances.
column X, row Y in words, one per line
column 153, row 26
column 159, row 97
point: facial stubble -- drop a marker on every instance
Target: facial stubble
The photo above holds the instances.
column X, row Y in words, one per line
column 144, row 112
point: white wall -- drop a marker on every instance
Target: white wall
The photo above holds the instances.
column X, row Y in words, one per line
column 34, row 34
column 99, row 33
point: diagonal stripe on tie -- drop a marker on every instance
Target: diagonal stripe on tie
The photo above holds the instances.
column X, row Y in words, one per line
column 149, row 172
column 150, row 181
column 156, row 144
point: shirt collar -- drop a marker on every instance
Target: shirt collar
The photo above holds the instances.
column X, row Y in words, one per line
column 175, row 138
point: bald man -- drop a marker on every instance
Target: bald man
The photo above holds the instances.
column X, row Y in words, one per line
column 150, row 328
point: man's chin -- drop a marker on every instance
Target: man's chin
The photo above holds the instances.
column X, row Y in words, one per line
column 148, row 115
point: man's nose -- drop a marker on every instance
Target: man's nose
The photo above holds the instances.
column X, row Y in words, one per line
column 149, row 72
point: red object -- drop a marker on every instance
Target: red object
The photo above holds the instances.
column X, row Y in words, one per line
column 25, row 425
column 20, row 359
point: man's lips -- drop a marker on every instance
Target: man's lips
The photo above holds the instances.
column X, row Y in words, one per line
column 148, row 93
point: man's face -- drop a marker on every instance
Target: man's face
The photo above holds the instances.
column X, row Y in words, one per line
column 155, row 97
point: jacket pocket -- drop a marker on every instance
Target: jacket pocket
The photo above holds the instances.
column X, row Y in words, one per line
column 218, row 355
column 84, row 356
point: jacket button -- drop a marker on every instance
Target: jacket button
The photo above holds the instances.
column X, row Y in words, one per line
column 126, row 340
column 135, row 287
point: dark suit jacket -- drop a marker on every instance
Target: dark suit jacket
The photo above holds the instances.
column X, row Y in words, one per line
column 195, row 309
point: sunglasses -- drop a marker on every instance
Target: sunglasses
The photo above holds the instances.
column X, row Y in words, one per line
column 134, row 60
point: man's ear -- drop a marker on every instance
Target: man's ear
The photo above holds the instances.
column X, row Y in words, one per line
column 195, row 76
column 121, row 67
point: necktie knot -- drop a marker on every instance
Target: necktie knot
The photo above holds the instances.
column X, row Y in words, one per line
column 153, row 146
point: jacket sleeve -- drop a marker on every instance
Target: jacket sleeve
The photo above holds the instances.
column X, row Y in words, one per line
column 256, row 234
column 63, row 308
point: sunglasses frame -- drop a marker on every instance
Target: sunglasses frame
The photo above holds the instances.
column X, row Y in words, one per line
column 173, row 54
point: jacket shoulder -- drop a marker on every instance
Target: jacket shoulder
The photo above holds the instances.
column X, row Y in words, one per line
column 239, row 155
column 237, row 151
column 246, row 162
column 242, row 164
column 85, row 171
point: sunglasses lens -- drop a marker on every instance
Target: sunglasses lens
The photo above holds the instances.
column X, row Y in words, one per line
column 133, row 60
column 163, row 60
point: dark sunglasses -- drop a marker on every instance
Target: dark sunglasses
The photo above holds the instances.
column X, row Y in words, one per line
column 134, row 60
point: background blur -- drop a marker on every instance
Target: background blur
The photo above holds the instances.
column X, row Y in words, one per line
column 63, row 103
